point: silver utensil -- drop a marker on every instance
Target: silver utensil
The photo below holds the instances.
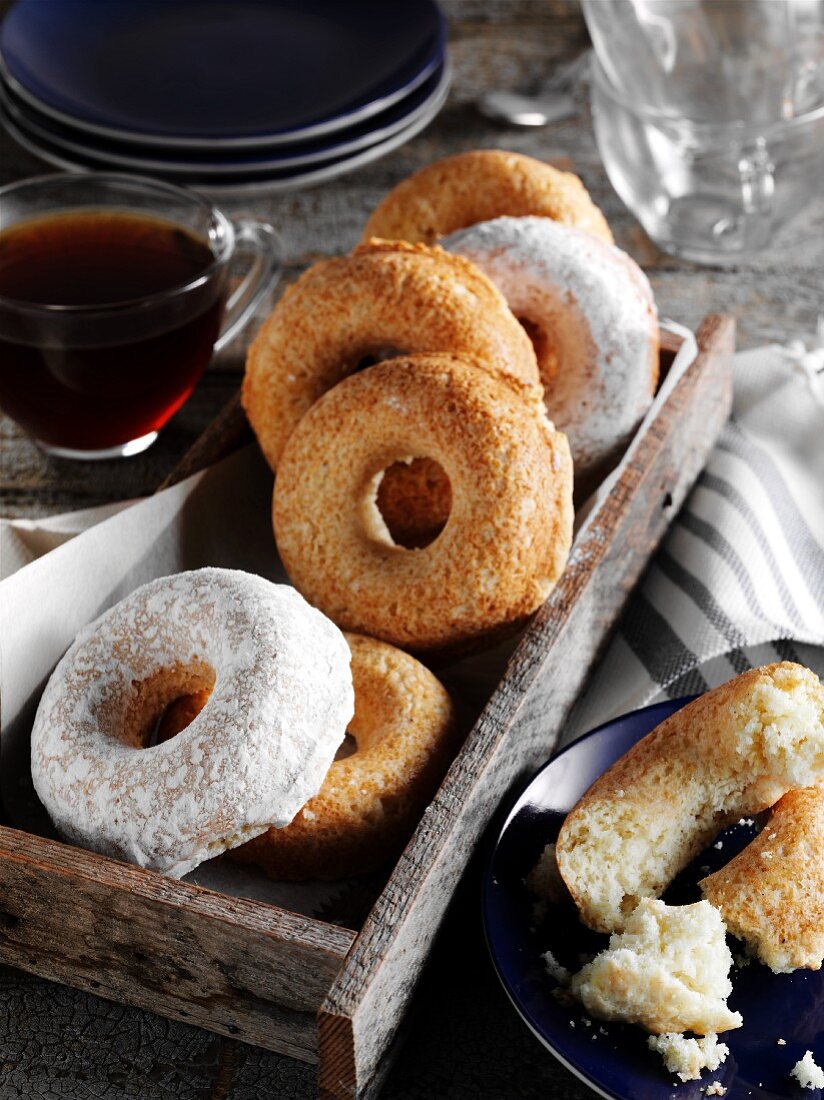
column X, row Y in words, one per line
column 554, row 103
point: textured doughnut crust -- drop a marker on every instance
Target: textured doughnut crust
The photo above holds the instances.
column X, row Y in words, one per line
column 259, row 749
column 386, row 298
column 474, row 187
column 406, row 734
column 735, row 750
column 772, row 894
column 509, row 529
column 593, row 309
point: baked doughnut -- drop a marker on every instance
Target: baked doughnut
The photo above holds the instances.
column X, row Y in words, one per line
column 473, row 187
column 592, row 317
column 281, row 698
column 385, row 299
column 509, row 529
column 772, row 894
column 734, row 751
column 405, row 732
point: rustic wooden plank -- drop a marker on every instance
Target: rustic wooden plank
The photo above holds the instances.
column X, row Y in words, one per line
column 521, row 723
column 241, row 968
column 229, row 431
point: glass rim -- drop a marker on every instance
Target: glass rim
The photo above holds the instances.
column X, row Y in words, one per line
column 147, row 183
column 760, row 130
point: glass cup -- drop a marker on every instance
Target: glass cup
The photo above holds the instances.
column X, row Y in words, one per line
column 709, row 117
column 98, row 379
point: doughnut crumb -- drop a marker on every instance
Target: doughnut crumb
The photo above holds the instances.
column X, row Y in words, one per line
column 808, row 1074
column 689, row 1057
column 668, row 971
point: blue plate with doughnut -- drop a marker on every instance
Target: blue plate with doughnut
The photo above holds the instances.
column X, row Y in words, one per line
column 613, row 1058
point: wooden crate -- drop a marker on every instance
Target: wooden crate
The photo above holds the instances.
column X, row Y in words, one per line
column 314, row 990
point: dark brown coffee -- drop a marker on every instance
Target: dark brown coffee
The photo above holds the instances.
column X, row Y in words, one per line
column 91, row 378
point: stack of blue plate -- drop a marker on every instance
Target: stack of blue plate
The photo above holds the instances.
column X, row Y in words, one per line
column 221, row 94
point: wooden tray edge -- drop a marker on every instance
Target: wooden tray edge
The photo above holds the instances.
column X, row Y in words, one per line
column 368, row 999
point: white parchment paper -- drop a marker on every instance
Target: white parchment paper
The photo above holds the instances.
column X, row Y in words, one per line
column 62, row 572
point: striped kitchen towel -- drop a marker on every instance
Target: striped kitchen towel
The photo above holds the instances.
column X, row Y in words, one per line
column 739, row 579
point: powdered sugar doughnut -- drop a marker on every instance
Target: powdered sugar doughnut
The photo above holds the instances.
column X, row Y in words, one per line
column 590, row 311
column 280, row 702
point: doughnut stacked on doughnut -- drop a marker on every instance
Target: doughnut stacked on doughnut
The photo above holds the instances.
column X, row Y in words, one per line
column 587, row 306
column 404, row 734
column 386, row 299
column 531, row 245
column 442, row 446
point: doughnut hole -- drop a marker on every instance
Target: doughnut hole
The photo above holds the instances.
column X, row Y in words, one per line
column 545, row 351
column 347, row 747
column 408, row 503
column 368, row 357
column 171, row 704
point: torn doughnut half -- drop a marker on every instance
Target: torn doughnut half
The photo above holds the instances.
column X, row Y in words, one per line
column 734, row 751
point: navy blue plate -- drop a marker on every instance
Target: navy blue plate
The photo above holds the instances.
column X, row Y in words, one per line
column 613, row 1058
column 246, row 183
column 147, row 159
column 228, row 71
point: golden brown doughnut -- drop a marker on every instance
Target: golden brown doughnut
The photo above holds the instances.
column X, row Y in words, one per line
column 474, row 187
column 406, row 735
column 385, row 299
column 509, row 528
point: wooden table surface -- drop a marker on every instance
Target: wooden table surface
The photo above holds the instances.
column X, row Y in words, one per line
column 464, row 1040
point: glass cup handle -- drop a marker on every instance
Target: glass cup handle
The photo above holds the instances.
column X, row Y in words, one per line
column 264, row 273
column 757, row 173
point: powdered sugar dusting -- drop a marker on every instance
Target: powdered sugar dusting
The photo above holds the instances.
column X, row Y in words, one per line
column 258, row 750
column 597, row 308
